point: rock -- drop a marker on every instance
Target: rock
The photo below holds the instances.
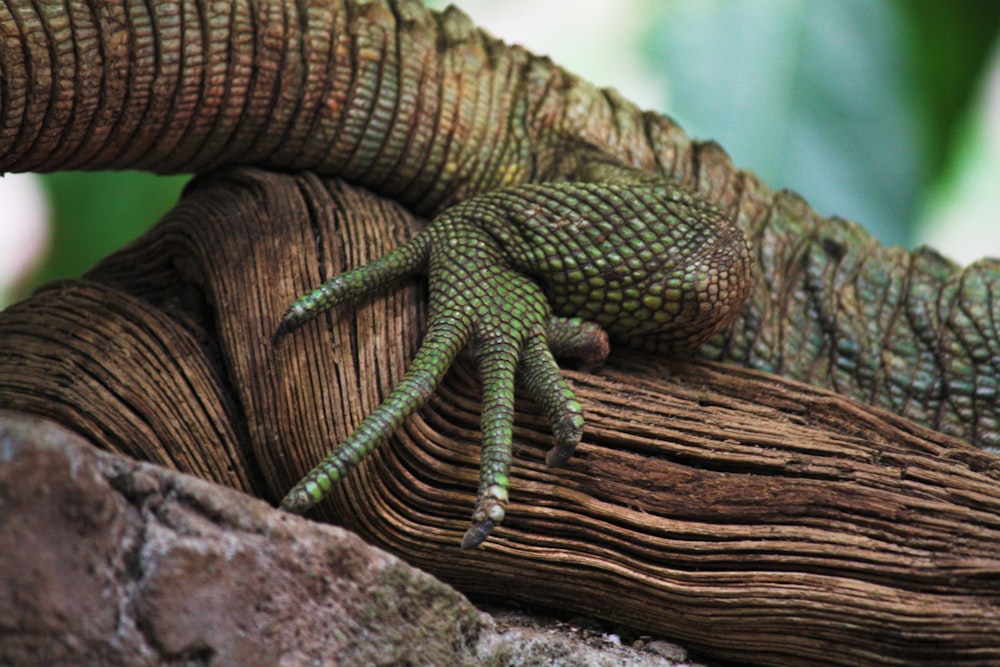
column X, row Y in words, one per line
column 106, row 561
column 111, row 562
column 517, row 639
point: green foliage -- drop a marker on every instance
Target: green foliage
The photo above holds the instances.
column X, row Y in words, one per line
column 96, row 213
column 947, row 45
column 852, row 104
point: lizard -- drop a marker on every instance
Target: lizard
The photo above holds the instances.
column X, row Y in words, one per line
column 427, row 109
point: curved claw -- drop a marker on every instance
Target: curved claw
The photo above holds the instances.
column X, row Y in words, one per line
column 477, row 534
column 279, row 333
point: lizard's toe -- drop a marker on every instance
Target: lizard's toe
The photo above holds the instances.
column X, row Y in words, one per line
column 490, row 512
column 578, row 339
column 541, row 376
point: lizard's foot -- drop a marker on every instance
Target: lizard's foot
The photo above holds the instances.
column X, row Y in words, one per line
column 640, row 259
column 475, row 297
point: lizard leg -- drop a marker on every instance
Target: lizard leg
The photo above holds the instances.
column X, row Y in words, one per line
column 472, row 295
column 629, row 257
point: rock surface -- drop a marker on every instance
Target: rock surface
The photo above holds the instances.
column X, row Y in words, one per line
column 106, row 561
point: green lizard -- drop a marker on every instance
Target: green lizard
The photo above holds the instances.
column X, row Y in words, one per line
column 425, row 108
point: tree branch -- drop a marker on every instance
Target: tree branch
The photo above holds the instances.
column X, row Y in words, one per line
column 756, row 518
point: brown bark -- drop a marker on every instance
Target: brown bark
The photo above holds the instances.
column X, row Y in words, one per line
column 753, row 517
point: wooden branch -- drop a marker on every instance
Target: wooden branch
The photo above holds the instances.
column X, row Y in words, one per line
column 755, row 518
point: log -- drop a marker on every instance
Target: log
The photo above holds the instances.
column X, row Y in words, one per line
column 754, row 518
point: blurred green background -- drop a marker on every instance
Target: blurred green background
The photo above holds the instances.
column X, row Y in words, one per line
column 95, row 213
column 874, row 110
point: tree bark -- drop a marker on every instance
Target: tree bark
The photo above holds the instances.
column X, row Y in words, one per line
column 753, row 517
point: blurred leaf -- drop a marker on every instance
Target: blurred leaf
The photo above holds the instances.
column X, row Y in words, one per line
column 811, row 96
column 948, row 46
column 97, row 213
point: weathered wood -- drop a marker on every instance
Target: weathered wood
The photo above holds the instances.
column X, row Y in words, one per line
column 753, row 517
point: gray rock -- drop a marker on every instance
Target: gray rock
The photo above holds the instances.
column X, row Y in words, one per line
column 106, row 561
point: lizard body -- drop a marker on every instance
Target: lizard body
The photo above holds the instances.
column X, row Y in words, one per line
column 425, row 108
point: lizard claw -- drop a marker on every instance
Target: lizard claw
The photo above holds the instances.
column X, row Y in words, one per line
column 477, row 534
column 279, row 333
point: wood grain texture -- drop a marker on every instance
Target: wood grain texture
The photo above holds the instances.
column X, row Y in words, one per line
column 755, row 518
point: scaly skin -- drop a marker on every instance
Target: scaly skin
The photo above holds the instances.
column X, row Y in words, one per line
column 644, row 261
column 427, row 109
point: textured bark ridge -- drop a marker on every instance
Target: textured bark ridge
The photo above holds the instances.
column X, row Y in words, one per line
column 752, row 517
column 427, row 109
